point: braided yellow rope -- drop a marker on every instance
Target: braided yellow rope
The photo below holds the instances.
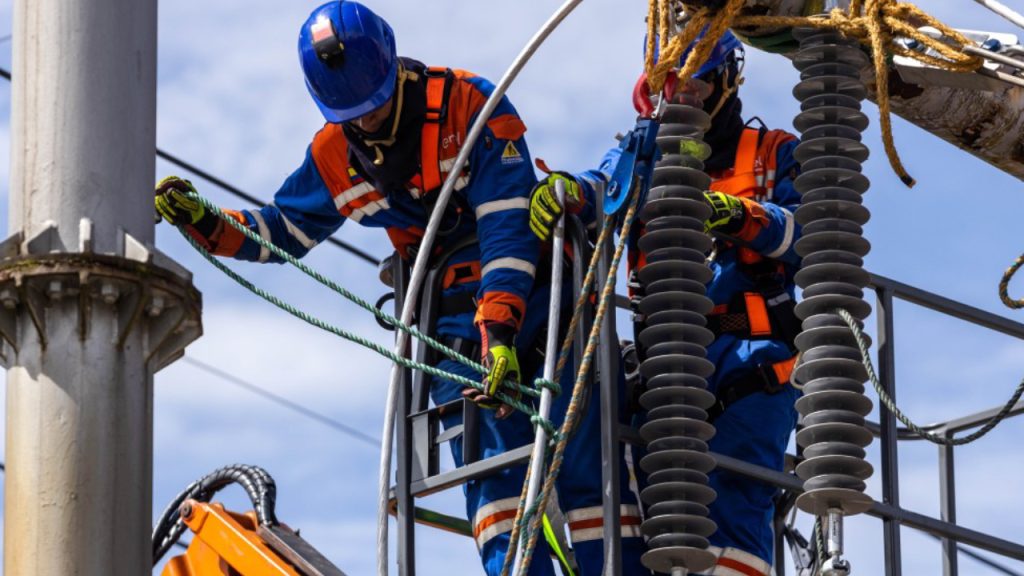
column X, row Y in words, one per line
column 874, row 23
column 1004, row 285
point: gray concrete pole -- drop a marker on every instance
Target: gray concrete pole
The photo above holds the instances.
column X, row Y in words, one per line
column 89, row 309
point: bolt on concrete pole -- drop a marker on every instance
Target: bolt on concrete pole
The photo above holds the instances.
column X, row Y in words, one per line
column 89, row 309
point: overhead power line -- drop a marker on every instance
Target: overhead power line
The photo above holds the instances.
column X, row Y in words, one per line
column 308, row 413
column 362, row 255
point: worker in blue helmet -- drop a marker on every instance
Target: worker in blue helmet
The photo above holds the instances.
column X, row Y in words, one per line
column 753, row 199
column 394, row 129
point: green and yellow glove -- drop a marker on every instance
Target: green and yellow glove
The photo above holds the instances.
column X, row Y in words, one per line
column 545, row 208
column 175, row 205
column 498, row 354
column 727, row 213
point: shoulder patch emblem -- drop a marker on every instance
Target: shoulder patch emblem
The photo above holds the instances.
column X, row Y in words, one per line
column 511, row 155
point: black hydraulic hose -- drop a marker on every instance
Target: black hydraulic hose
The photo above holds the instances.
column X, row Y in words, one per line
column 259, row 486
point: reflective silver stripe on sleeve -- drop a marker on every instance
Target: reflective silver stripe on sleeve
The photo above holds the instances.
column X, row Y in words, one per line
column 500, row 206
column 508, row 264
column 264, row 233
column 351, row 194
column 787, row 236
column 297, row 233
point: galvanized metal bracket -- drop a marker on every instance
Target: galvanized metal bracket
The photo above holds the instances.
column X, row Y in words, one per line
column 145, row 288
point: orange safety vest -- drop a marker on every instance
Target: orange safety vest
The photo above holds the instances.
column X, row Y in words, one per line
column 753, row 173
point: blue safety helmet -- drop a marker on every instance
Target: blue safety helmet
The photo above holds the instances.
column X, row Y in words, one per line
column 720, row 54
column 348, row 56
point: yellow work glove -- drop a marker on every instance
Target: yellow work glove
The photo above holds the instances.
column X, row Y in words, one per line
column 498, row 355
column 175, row 205
column 727, row 213
column 545, row 208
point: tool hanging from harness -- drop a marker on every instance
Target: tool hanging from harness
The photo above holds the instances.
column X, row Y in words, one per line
column 768, row 311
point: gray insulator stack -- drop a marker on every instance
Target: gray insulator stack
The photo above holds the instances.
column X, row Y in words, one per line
column 832, row 274
column 674, row 338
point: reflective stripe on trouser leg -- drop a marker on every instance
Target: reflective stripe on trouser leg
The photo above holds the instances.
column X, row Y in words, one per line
column 491, row 502
column 588, row 523
column 736, row 562
column 580, row 491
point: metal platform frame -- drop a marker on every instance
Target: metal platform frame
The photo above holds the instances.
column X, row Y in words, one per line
column 420, row 438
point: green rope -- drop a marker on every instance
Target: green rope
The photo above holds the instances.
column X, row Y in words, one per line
column 384, row 316
column 353, row 337
column 891, row 404
column 509, row 399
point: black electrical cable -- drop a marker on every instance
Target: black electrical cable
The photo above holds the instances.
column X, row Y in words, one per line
column 258, row 486
column 343, row 428
column 365, row 256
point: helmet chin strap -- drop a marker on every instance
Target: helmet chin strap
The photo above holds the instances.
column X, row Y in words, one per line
column 728, row 89
column 395, row 117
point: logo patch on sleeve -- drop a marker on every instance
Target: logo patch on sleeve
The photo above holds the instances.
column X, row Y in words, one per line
column 511, row 155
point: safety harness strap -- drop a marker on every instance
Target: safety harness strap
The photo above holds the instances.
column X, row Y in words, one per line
column 743, row 181
column 768, row 315
column 767, row 378
column 438, row 89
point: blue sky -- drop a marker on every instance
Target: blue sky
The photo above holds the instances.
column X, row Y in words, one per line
column 231, row 99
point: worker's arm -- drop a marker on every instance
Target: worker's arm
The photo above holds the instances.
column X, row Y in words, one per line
column 501, row 177
column 302, row 215
column 769, row 227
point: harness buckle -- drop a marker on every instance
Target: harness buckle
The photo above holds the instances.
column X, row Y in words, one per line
column 437, row 100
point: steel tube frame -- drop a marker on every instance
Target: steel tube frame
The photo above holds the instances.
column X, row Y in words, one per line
column 920, row 522
column 537, row 468
column 406, row 509
column 611, row 444
column 890, row 458
column 947, row 504
column 889, row 510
